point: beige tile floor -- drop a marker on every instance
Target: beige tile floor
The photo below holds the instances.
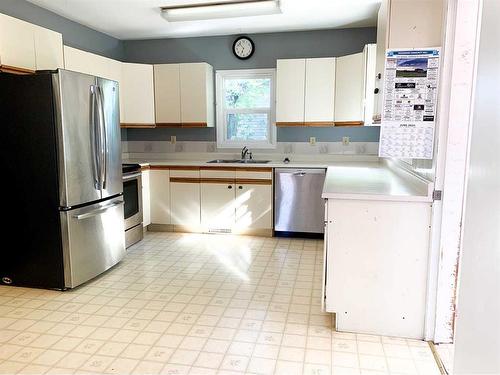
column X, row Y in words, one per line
column 196, row 304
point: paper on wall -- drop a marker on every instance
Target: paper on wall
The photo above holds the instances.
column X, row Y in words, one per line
column 409, row 103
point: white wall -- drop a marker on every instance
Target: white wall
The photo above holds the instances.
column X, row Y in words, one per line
column 477, row 339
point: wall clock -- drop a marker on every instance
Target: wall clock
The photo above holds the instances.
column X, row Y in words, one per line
column 243, row 48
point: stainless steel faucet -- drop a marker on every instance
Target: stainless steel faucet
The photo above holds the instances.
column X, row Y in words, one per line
column 244, row 152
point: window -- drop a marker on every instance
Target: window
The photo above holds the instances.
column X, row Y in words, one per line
column 245, row 108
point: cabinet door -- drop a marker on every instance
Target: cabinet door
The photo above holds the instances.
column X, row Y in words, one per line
column 217, row 205
column 167, row 93
column 196, row 82
column 48, row 49
column 137, row 94
column 253, row 206
column 159, row 180
column 185, row 203
column 290, row 90
column 17, row 46
column 146, row 199
column 320, row 90
column 349, row 88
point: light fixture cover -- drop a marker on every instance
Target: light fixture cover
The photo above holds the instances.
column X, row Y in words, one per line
column 221, row 10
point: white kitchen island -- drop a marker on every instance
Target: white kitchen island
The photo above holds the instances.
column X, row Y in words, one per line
column 376, row 248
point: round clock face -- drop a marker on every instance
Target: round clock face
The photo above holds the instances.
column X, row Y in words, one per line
column 243, row 48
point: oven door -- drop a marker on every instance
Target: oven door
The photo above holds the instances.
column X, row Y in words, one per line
column 132, row 195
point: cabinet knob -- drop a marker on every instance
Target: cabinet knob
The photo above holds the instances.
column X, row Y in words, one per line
column 240, row 187
column 230, row 186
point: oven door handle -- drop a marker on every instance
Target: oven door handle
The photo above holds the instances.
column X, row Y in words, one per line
column 131, row 176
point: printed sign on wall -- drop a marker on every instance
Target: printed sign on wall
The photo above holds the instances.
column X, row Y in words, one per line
column 409, row 103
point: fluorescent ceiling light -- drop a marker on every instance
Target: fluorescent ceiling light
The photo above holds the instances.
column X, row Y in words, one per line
column 240, row 8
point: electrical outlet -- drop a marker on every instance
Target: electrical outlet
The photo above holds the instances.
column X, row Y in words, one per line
column 312, row 141
column 173, row 139
column 346, row 141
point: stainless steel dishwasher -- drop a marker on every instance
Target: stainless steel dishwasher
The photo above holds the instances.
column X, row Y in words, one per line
column 298, row 206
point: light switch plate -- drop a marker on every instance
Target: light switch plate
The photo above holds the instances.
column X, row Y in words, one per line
column 346, row 141
column 312, row 141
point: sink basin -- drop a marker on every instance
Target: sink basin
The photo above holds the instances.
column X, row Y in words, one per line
column 241, row 161
column 217, row 161
column 253, row 161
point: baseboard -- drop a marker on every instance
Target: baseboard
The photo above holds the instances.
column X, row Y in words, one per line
column 199, row 229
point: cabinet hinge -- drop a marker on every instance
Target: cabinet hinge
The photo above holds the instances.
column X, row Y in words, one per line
column 437, row 195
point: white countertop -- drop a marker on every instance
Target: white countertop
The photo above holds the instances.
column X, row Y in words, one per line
column 375, row 181
column 363, row 179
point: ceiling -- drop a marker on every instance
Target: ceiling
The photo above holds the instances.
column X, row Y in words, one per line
column 141, row 19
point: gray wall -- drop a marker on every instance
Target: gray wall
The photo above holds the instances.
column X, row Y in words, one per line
column 74, row 34
column 269, row 47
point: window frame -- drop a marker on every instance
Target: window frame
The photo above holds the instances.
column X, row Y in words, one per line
column 221, row 111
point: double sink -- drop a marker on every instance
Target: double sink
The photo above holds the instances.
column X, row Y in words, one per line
column 241, row 161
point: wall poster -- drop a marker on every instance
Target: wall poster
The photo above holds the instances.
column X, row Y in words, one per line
column 409, row 103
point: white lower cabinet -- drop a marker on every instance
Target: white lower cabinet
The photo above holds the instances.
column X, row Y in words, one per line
column 378, row 252
column 160, row 196
column 146, row 198
column 253, row 207
column 185, row 198
column 210, row 199
column 217, row 205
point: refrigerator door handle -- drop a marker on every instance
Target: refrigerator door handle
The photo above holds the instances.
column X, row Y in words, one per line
column 104, row 140
column 97, row 211
column 95, row 137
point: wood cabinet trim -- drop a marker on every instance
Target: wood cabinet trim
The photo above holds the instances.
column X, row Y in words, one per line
column 205, row 180
column 218, row 168
column 185, row 180
column 181, row 125
column 159, row 167
column 184, row 167
column 320, row 123
column 349, row 123
column 253, row 181
column 255, row 169
column 15, row 70
column 290, row 123
column 126, row 125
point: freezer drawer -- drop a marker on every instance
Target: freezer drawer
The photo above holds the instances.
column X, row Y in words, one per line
column 298, row 206
column 93, row 240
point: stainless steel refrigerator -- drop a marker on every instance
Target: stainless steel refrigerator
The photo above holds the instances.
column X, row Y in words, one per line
column 64, row 180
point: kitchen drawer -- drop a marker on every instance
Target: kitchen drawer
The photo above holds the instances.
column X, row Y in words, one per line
column 217, row 173
column 257, row 174
column 191, row 173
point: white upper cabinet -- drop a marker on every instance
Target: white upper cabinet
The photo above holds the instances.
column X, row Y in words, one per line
column 27, row 46
column 197, row 94
column 137, row 94
column 320, row 90
column 90, row 63
column 167, row 92
column 17, row 45
column 184, row 94
column 290, row 90
column 48, row 49
column 349, row 88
